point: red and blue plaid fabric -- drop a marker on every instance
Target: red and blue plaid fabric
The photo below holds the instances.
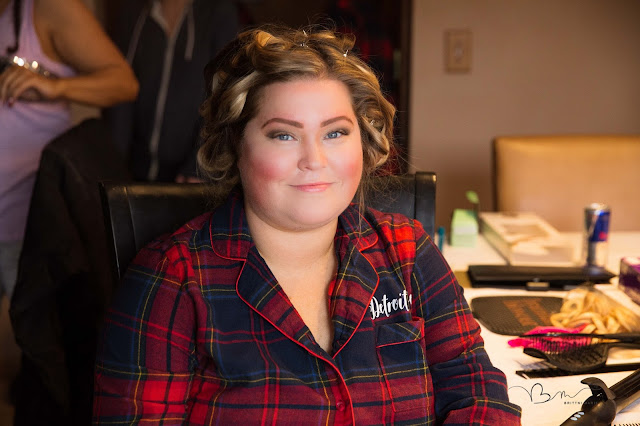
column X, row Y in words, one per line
column 201, row 333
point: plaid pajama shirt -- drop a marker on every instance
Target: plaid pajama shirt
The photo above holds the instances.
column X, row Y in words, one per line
column 201, row 333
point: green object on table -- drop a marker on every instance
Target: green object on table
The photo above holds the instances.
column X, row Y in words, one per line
column 464, row 228
column 472, row 197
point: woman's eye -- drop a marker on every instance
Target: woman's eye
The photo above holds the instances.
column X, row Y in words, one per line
column 335, row 134
column 282, row 136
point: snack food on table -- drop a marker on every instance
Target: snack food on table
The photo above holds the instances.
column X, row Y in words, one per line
column 590, row 308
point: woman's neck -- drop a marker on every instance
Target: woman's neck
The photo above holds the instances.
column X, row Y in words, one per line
column 297, row 249
column 304, row 264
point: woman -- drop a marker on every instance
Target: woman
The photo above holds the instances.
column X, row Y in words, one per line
column 54, row 52
column 287, row 303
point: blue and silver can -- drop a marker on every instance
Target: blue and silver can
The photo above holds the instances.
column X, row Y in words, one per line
column 596, row 239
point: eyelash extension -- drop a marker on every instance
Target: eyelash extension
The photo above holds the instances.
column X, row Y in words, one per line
column 277, row 134
column 342, row 132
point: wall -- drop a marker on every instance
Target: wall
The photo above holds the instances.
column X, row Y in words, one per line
column 538, row 66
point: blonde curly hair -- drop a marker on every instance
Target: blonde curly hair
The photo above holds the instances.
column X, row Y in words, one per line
column 269, row 54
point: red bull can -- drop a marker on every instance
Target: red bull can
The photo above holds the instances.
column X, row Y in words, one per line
column 596, row 239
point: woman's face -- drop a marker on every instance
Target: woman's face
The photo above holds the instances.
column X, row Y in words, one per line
column 301, row 155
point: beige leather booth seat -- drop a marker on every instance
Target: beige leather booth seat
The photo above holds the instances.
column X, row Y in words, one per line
column 557, row 176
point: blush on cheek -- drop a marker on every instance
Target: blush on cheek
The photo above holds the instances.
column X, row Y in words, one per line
column 264, row 166
column 351, row 165
column 354, row 164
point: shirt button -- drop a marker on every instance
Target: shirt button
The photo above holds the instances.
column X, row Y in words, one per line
column 340, row 406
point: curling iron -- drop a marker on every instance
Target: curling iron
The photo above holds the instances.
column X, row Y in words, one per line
column 601, row 407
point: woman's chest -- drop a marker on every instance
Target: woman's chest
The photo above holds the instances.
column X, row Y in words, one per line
column 246, row 359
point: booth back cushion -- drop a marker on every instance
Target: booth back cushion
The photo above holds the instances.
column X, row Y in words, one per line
column 556, row 176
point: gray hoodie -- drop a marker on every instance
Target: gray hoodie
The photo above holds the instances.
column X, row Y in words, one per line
column 159, row 132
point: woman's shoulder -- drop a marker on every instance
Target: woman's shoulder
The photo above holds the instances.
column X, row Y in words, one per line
column 389, row 232
column 393, row 222
column 191, row 236
column 195, row 227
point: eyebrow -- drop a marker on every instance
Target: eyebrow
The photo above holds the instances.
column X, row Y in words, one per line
column 333, row 120
column 300, row 125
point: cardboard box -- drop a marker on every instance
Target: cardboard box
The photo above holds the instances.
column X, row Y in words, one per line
column 526, row 239
column 629, row 278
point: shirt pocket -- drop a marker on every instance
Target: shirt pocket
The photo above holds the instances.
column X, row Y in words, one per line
column 401, row 354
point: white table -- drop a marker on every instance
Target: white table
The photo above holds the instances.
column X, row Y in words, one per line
column 620, row 244
column 548, row 401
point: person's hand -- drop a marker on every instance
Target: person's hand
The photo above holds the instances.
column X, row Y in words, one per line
column 20, row 83
column 188, row 179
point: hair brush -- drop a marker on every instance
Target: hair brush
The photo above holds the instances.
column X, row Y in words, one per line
column 577, row 352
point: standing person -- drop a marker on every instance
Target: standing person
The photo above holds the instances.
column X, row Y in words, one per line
column 168, row 43
column 54, row 52
column 289, row 303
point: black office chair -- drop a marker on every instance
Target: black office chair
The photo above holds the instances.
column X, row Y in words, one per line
column 136, row 212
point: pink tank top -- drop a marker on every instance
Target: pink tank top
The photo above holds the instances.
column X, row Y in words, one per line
column 25, row 128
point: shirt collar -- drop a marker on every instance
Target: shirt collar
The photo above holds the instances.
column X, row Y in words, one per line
column 230, row 237
column 356, row 281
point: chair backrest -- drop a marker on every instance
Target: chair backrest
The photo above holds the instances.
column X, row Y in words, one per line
column 137, row 212
column 557, row 176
